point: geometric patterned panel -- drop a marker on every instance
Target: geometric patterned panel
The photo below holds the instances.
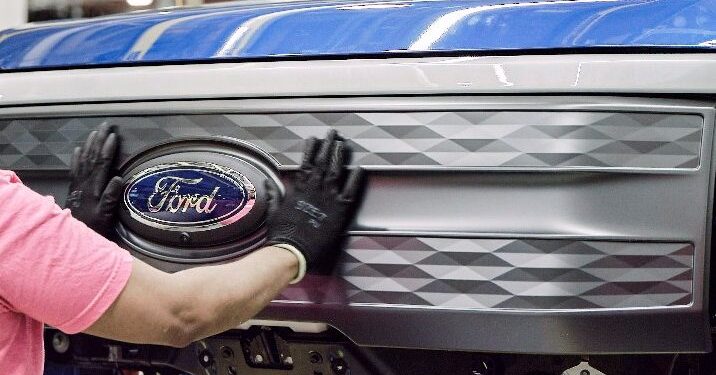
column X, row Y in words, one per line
column 460, row 273
column 406, row 139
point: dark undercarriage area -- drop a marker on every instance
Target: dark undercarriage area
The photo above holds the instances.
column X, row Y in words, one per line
column 279, row 350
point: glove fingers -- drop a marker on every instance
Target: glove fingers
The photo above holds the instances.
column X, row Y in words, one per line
column 308, row 164
column 111, row 196
column 102, row 167
column 109, row 148
column 336, row 166
column 75, row 162
column 86, row 149
column 309, row 153
column 98, row 142
column 348, row 154
column 324, row 154
column 272, row 197
column 354, row 185
column 100, row 179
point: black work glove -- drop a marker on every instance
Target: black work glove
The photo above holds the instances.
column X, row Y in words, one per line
column 314, row 216
column 92, row 199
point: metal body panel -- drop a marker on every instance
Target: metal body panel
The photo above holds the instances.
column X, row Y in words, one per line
column 514, row 331
column 319, row 28
column 645, row 74
column 659, row 216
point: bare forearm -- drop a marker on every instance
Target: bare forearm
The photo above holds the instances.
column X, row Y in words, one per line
column 175, row 309
column 231, row 293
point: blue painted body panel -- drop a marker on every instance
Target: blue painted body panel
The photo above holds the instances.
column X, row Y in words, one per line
column 315, row 28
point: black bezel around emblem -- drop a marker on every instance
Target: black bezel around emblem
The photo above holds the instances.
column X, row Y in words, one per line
column 200, row 242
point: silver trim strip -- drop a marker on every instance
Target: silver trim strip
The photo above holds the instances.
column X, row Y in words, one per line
column 303, row 327
column 606, row 237
column 598, row 73
column 368, row 103
column 495, row 309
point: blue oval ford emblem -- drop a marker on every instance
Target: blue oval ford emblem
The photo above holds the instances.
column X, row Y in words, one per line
column 189, row 195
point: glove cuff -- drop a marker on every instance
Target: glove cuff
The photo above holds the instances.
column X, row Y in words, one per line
column 301, row 261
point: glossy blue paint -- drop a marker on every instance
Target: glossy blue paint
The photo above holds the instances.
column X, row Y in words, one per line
column 315, row 28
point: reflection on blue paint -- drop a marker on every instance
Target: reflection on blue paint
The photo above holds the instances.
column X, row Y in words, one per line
column 314, row 28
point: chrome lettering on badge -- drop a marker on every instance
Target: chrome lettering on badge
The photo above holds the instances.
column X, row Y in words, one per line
column 189, row 196
column 167, row 196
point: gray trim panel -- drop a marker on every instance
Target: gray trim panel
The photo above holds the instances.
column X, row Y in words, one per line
column 639, row 207
column 478, row 273
column 673, row 330
column 484, row 134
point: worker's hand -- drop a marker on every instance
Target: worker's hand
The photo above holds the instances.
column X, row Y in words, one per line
column 93, row 197
column 314, row 216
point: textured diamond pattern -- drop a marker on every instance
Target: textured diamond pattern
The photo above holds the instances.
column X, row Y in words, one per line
column 408, row 139
column 507, row 273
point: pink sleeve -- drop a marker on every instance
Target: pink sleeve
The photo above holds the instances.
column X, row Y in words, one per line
column 52, row 267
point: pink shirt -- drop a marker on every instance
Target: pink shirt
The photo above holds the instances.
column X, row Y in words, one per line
column 53, row 270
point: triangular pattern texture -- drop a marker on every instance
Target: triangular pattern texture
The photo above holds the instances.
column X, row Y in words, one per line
column 455, row 273
column 409, row 139
column 464, row 273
